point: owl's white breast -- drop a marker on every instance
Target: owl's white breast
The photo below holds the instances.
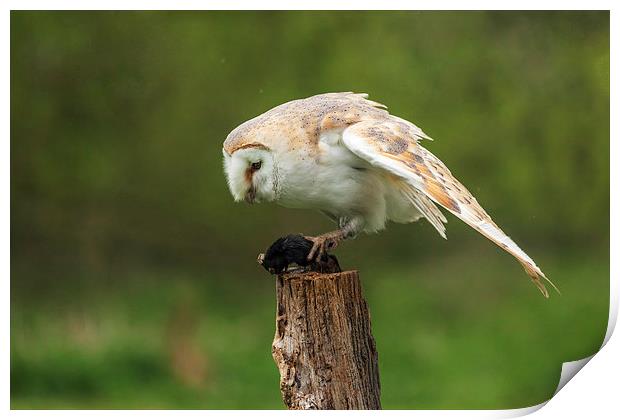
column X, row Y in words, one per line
column 333, row 180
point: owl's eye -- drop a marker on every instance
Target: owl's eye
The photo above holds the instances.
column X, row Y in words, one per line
column 256, row 165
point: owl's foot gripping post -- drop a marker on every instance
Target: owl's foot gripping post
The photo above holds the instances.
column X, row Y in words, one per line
column 322, row 244
column 326, row 242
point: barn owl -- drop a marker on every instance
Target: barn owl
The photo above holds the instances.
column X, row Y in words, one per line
column 348, row 157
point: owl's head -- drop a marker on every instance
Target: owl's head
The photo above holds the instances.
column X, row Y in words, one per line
column 251, row 173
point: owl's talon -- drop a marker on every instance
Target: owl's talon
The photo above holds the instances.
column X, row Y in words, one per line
column 316, row 246
column 321, row 245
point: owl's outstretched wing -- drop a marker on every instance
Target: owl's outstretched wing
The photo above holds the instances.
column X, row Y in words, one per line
column 392, row 145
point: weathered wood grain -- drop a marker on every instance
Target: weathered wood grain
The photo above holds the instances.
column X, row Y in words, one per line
column 323, row 345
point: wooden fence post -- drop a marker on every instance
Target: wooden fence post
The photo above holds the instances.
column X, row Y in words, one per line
column 323, row 346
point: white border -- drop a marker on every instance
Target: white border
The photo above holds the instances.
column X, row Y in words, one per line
column 592, row 394
column 309, row 5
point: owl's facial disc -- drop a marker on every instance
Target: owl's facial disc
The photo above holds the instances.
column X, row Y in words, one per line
column 251, row 174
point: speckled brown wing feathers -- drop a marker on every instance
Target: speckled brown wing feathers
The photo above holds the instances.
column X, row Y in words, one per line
column 392, row 144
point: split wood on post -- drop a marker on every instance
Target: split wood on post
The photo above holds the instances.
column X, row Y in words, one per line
column 323, row 345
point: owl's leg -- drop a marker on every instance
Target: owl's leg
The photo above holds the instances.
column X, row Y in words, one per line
column 330, row 240
column 324, row 243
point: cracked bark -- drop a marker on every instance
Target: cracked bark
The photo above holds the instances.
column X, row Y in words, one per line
column 323, row 345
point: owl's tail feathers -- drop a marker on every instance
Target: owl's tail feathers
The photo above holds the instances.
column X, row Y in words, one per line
column 495, row 234
column 425, row 206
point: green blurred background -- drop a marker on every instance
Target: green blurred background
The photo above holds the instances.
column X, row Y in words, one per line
column 133, row 274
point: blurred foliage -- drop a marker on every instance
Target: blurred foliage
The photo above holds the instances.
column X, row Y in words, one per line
column 133, row 275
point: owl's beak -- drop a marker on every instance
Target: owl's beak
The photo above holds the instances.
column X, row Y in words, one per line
column 250, row 196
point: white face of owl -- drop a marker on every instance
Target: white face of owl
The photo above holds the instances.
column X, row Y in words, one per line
column 252, row 175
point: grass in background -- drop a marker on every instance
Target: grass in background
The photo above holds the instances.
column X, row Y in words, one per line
column 465, row 331
column 132, row 275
